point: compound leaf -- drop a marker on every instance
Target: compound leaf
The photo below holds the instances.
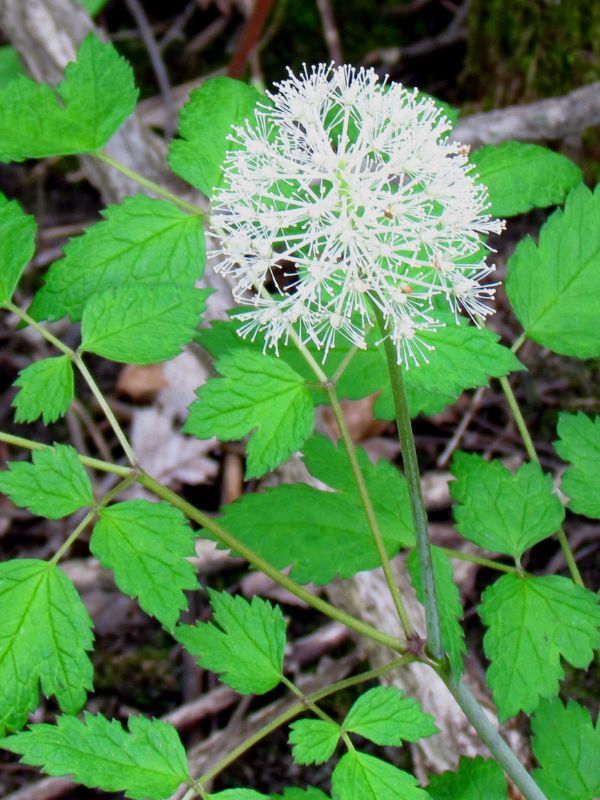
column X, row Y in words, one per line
column 319, row 523
column 142, row 240
column 387, row 717
column 554, row 286
column 313, row 741
column 95, row 97
column 475, row 779
column 532, row 622
column 521, row 176
column 53, row 485
column 141, row 323
column 46, row 390
column 579, row 444
column 205, row 122
column 17, row 234
column 146, row 545
column 245, row 642
column 46, row 631
column 566, row 745
column 448, row 597
column 358, row 775
column 501, row 511
column 260, row 395
column 148, row 762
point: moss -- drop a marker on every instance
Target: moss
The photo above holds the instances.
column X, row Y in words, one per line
column 532, row 49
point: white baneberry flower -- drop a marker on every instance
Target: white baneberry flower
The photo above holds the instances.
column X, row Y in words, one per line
column 345, row 194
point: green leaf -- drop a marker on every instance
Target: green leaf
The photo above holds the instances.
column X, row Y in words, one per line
column 10, row 65
column 94, row 99
column 464, row 357
column 475, row 779
column 532, row 623
column 93, row 7
column 142, row 240
column 205, row 122
column 245, row 642
column 313, row 741
column 17, row 234
column 258, row 394
column 361, row 777
column 53, row 485
column 448, row 596
column 141, row 323
column 238, row 794
column 579, row 444
column 554, row 286
column 501, row 511
column 46, row 631
column 521, row 176
column 46, row 390
column 387, row 717
column 301, row 794
column 567, row 747
column 146, row 545
column 318, row 523
column 148, row 762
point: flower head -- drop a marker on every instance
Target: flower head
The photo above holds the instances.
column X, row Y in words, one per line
column 344, row 194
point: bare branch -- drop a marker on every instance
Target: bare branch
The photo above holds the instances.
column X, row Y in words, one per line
column 330, row 31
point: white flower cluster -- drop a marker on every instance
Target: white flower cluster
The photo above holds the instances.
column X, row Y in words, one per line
column 345, row 194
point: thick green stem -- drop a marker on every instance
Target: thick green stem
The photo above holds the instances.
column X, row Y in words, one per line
column 419, row 516
column 533, row 456
column 148, row 184
column 259, row 563
column 491, row 737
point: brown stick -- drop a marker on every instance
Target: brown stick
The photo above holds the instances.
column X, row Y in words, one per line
column 250, row 36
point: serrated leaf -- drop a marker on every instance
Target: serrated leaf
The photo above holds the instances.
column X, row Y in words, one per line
column 475, row 779
column 245, row 642
column 579, row 444
column 147, row 763
column 44, row 639
column 95, row 97
column 46, row 390
column 501, row 511
column 313, row 741
column 464, row 357
column 521, row 176
column 386, row 716
column 532, row 622
column 318, row 523
column 567, row 747
column 554, row 286
column 301, row 794
column 141, row 324
column 17, row 237
column 142, row 240
column 53, row 485
column 450, row 606
column 205, row 122
column 146, row 546
column 258, row 395
column 10, row 65
column 359, row 776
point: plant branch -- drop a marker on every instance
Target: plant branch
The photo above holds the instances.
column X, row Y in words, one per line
column 148, row 184
column 483, row 562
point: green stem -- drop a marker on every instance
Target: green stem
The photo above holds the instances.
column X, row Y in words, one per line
column 413, row 481
column 108, row 413
column 94, row 463
column 298, row 708
column 518, row 343
column 148, row 184
column 367, row 505
column 359, row 479
column 491, row 737
column 89, row 517
column 49, row 337
column 533, row 456
column 318, row 712
column 259, row 563
column 483, row 562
